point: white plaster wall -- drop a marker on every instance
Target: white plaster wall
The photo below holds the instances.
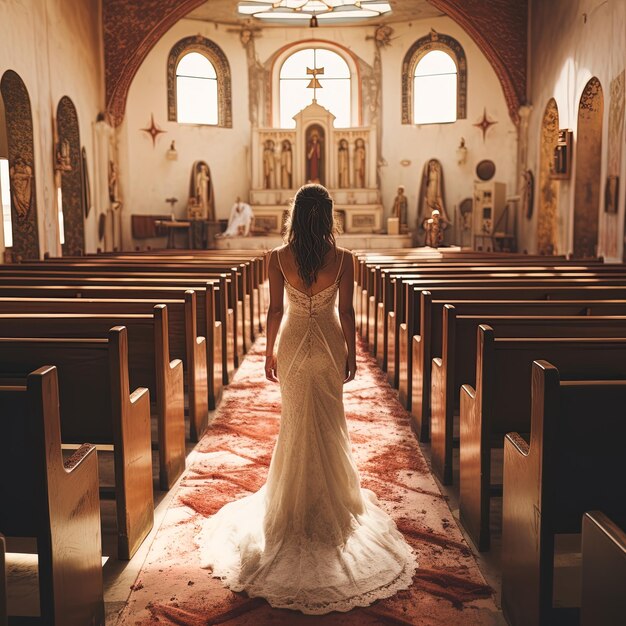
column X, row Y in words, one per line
column 55, row 47
column 571, row 41
column 149, row 178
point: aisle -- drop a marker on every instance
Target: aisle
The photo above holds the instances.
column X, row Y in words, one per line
column 232, row 460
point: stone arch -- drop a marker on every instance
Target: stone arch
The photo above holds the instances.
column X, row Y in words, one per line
column 71, row 179
column 419, row 49
column 587, row 186
column 547, row 205
column 19, row 123
column 217, row 57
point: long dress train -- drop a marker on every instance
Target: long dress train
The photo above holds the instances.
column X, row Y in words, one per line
column 311, row 538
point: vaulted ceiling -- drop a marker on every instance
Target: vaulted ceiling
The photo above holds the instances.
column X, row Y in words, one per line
column 133, row 27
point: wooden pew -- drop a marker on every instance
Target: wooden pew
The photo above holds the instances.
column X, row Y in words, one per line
column 457, row 363
column 603, row 601
column 384, row 278
column 208, row 294
column 501, row 404
column 184, row 343
column 205, row 302
column 421, row 343
column 52, row 500
column 149, row 365
column 411, row 326
column 242, row 275
column 574, row 462
column 97, row 406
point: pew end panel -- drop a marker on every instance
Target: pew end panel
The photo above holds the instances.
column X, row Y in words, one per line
column 371, row 324
column 381, row 337
column 403, row 374
column 603, row 601
column 63, row 511
column 171, row 404
column 418, row 423
column 442, row 402
column 567, row 469
column 132, row 449
column 197, row 370
column 391, row 349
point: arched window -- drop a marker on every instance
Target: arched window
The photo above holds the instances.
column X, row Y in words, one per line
column 434, row 81
column 434, row 89
column 196, row 90
column 198, row 83
column 315, row 74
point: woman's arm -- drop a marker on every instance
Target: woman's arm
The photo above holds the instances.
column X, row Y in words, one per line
column 346, row 313
column 274, row 314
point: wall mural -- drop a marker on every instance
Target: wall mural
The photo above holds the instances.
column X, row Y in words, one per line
column 548, row 196
column 19, row 122
column 69, row 164
column 588, row 170
column 614, row 165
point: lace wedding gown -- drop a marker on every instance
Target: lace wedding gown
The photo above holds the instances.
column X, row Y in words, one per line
column 310, row 539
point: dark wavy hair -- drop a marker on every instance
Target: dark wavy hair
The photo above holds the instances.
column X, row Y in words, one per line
column 311, row 230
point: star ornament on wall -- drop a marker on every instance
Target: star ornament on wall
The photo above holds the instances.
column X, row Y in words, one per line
column 485, row 123
column 153, row 130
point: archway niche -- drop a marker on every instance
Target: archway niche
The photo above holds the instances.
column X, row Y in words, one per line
column 548, row 197
column 69, row 165
column 588, row 170
column 21, row 153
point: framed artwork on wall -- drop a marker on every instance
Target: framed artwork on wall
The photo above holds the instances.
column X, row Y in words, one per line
column 562, row 161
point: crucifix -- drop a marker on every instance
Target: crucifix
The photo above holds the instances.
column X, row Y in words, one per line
column 314, row 83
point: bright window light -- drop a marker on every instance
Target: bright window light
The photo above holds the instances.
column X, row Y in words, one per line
column 334, row 93
column 60, row 216
column 196, row 90
column 434, row 89
column 5, row 198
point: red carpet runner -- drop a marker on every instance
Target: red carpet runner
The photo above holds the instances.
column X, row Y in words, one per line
column 232, row 460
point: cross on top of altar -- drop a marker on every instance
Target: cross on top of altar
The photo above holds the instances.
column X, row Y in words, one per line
column 314, row 83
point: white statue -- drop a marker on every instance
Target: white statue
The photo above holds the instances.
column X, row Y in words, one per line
column 240, row 220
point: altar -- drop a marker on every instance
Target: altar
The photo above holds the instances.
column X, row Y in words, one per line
column 342, row 159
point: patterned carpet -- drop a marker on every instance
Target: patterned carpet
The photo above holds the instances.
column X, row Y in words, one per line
column 232, row 460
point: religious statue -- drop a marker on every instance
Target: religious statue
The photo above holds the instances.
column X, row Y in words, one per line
column 431, row 194
column 434, row 230
column 400, row 208
column 21, row 175
column 114, row 195
column 343, row 164
column 286, row 164
column 359, row 163
column 240, row 220
column 268, row 164
column 314, row 156
column 63, row 161
column 201, row 202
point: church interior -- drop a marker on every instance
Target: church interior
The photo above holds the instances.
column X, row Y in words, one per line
column 149, row 155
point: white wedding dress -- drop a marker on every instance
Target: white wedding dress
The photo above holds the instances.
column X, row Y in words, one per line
column 310, row 539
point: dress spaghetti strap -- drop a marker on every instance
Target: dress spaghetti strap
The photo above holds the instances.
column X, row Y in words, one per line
column 343, row 252
column 280, row 265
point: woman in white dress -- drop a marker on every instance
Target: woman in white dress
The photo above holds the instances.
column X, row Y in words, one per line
column 311, row 539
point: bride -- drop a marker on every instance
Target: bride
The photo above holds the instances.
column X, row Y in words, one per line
column 310, row 539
